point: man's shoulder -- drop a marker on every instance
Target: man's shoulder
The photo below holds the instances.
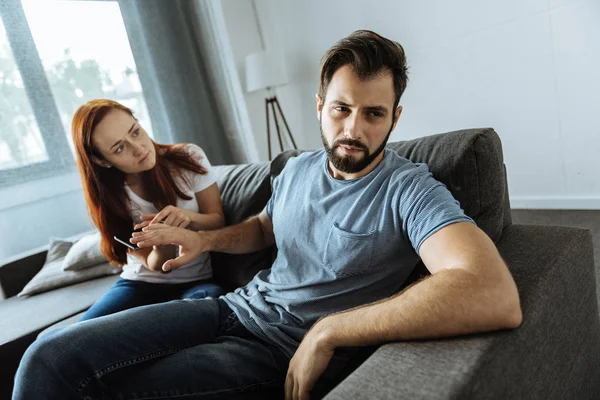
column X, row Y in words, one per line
column 310, row 156
column 401, row 168
column 303, row 160
column 408, row 179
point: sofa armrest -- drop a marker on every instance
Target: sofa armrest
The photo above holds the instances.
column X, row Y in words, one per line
column 17, row 270
column 553, row 354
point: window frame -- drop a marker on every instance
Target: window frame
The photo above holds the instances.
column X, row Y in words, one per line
column 40, row 96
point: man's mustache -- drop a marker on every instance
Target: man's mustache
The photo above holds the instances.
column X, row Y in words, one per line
column 350, row 142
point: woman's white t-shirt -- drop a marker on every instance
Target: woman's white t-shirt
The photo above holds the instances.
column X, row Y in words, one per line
column 200, row 268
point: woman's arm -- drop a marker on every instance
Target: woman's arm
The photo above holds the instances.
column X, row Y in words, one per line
column 154, row 257
column 209, row 217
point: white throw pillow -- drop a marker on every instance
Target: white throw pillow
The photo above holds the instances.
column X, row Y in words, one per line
column 84, row 253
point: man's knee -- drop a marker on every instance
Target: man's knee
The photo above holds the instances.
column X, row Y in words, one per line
column 49, row 351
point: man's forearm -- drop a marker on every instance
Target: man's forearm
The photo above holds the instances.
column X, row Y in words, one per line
column 246, row 237
column 452, row 302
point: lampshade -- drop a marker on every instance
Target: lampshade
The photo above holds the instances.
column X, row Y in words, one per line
column 264, row 70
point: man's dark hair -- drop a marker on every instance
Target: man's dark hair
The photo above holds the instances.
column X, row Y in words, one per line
column 369, row 54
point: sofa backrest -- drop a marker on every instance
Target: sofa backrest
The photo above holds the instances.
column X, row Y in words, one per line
column 245, row 190
column 471, row 164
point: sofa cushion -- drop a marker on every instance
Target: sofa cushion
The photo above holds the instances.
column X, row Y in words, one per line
column 61, row 324
column 245, row 190
column 26, row 315
column 57, row 249
column 469, row 162
column 84, row 253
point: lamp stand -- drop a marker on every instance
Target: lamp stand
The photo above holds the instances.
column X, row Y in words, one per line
column 270, row 103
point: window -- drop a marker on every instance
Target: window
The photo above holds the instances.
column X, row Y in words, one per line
column 21, row 143
column 55, row 56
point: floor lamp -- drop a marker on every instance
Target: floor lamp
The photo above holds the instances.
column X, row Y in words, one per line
column 265, row 71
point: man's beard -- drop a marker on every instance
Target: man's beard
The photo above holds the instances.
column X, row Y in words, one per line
column 349, row 164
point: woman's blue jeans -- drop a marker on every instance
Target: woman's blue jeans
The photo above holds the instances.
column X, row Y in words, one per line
column 126, row 294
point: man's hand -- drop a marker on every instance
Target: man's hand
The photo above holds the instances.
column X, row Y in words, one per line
column 307, row 365
column 170, row 215
column 191, row 244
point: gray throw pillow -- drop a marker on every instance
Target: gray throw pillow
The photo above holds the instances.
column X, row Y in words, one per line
column 84, row 253
column 58, row 248
column 52, row 276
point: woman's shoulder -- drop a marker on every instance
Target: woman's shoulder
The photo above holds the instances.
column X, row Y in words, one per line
column 197, row 180
column 194, row 149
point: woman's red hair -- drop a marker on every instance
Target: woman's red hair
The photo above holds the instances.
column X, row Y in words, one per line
column 104, row 188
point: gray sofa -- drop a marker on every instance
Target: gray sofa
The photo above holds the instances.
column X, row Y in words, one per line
column 555, row 354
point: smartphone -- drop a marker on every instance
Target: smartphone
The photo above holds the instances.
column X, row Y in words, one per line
column 123, row 242
column 127, row 243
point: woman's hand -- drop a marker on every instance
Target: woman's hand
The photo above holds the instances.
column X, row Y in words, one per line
column 191, row 244
column 170, row 215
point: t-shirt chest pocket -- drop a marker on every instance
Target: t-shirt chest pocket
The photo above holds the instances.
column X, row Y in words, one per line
column 348, row 253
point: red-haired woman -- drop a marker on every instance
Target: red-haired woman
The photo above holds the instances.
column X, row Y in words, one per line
column 130, row 181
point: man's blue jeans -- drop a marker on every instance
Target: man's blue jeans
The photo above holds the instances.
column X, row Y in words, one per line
column 183, row 349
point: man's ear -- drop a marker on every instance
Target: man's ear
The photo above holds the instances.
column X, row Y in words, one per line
column 319, row 105
column 100, row 162
column 397, row 113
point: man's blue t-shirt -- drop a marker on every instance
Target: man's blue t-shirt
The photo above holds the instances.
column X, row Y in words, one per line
column 341, row 243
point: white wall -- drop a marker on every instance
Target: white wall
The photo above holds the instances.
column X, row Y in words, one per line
column 524, row 68
column 32, row 212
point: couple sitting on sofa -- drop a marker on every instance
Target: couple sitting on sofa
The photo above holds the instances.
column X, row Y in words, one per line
column 350, row 223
